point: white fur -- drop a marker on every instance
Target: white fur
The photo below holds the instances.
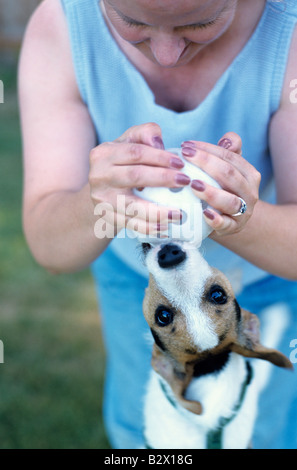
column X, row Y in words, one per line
column 169, row 427
column 183, row 287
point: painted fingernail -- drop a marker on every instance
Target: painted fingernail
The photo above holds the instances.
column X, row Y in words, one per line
column 158, row 142
column 198, row 185
column 209, row 214
column 176, row 163
column 174, row 216
column 188, row 143
column 161, row 227
column 182, row 179
column 225, row 143
column 188, row 151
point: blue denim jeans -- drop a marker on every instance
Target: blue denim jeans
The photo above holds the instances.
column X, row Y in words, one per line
column 128, row 346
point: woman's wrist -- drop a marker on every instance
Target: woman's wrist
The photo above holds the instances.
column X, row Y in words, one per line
column 267, row 239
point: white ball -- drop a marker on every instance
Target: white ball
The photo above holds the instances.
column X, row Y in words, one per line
column 193, row 227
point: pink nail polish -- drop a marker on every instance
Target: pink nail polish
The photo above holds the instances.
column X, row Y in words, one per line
column 161, row 227
column 176, row 163
column 182, row 179
column 209, row 214
column 188, row 143
column 188, row 151
column 158, row 142
column 174, row 215
column 198, row 185
column 225, row 143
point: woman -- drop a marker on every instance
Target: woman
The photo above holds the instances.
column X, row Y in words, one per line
column 104, row 88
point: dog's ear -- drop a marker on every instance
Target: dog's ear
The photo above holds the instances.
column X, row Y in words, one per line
column 248, row 342
column 177, row 376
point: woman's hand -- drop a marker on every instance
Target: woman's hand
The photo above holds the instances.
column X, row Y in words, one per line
column 135, row 160
column 237, row 178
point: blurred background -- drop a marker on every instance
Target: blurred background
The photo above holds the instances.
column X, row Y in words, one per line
column 52, row 376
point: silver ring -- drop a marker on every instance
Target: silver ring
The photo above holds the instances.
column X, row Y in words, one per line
column 242, row 209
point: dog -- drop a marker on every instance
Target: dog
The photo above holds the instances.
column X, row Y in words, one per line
column 201, row 393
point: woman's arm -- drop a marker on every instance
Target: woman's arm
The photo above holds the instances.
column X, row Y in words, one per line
column 58, row 135
column 66, row 176
column 268, row 240
column 267, row 236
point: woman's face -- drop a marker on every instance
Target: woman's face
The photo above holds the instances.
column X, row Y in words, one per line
column 170, row 32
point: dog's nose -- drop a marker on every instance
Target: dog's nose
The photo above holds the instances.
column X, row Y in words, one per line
column 170, row 255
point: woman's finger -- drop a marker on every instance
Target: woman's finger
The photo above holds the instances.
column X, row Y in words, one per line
column 139, row 154
column 135, row 166
column 138, row 216
column 139, row 176
column 225, row 173
column 130, row 205
column 200, row 152
column 149, row 212
column 223, row 201
column 231, row 141
column 220, row 223
column 149, row 134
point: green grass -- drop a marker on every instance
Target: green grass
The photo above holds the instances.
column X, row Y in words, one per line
column 52, row 377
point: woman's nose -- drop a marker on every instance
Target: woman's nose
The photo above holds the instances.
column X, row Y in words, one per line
column 167, row 48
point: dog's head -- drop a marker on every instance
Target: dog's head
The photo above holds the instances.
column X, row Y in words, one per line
column 193, row 314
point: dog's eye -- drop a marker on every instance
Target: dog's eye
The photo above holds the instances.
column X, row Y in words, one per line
column 163, row 316
column 217, row 295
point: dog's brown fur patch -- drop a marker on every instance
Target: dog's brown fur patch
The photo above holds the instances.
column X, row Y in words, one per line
column 237, row 330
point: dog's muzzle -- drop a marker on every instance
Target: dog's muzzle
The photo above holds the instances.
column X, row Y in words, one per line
column 170, row 255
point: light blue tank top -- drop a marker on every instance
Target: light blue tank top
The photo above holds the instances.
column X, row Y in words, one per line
column 243, row 101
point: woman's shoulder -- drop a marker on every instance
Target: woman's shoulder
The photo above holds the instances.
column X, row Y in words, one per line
column 45, row 59
column 290, row 82
column 47, row 22
column 46, row 40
